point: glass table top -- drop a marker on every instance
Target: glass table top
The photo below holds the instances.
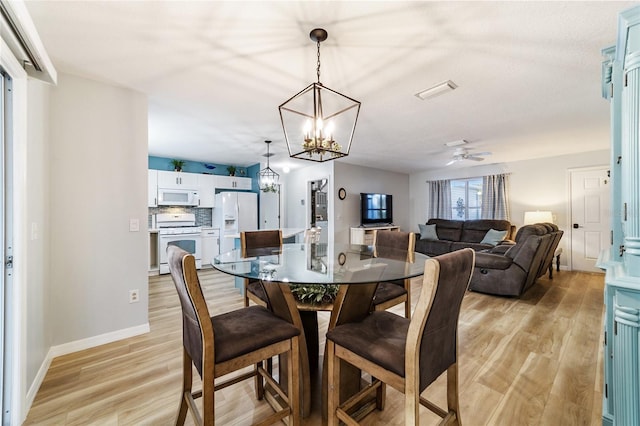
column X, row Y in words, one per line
column 300, row 263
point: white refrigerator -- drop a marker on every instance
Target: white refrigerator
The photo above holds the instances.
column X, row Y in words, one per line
column 233, row 213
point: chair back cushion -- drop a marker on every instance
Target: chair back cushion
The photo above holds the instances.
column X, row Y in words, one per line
column 183, row 269
column 394, row 244
column 252, row 241
column 438, row 341
column 447, row 229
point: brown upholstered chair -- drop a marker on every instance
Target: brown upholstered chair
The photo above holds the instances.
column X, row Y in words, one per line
column 408, row 355
column 553, row 245
column 225, row 343
column 253, row 243
column 392, row 293
column 515, row 271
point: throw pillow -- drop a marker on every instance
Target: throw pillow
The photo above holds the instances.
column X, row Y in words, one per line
column 428, row 232
column 493, row 237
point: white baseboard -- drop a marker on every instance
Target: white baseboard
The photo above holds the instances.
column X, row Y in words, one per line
column 98, row 340
column 37, row 381
column 76, row 346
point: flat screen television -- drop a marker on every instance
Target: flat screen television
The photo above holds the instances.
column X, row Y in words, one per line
column 376, row 209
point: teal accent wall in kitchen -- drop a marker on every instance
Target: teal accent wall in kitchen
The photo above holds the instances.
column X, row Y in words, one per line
column 162, row 163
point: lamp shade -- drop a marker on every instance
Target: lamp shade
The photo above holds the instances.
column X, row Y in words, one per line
column 537, row 217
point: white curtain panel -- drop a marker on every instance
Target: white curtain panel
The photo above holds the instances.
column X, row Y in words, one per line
column 495, row 197
column 439, row 199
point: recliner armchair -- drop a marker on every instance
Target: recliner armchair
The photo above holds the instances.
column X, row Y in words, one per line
column 512, row 273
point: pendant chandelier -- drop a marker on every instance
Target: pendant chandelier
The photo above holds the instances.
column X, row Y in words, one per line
column 268, row 180
column 318, row 122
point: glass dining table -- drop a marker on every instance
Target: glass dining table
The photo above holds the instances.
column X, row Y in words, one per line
column 357, row 269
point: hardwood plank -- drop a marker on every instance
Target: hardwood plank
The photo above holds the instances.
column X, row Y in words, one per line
column 532, row 360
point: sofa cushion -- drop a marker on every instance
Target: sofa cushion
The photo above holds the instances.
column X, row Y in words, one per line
column 474, row 231
column 433, row 248
column 458, row 245
column 428, row 232
column 493, row 237
column 448, row 229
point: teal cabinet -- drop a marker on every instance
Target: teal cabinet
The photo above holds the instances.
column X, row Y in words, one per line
column 621, row 86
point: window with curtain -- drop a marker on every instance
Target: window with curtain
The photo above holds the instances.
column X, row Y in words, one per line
column 484, row 197
column 466, row 199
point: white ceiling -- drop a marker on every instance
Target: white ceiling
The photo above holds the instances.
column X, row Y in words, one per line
column 528, row 73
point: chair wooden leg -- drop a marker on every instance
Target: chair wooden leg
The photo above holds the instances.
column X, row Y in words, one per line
column 452, row 393
column 187, row 381
column 381, row 396
column 246, row 296
column 333, row 384
column 293, row 383
column 259, row 382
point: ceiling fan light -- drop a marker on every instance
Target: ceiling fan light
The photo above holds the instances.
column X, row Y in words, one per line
column 459, row 142
column 437, row 90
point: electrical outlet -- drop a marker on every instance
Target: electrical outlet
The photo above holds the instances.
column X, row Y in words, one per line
column 134, row 296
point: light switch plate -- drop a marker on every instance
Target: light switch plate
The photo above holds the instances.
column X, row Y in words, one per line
column 134, row 225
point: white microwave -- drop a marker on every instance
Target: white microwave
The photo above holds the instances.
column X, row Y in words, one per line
column 178, row 197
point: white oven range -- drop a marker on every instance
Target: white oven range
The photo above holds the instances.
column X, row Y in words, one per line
column 178, row 229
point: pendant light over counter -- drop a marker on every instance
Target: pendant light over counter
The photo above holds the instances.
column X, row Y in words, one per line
column 268, row 180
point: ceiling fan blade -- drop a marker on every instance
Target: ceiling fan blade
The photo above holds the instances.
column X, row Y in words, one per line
column 472, row 158
column 481, row 153
column 451, row 162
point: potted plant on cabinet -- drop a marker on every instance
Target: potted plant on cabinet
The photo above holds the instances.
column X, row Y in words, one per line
column 177, row 165
column 231, row 170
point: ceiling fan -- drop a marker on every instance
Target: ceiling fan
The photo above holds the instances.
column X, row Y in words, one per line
column 463, row 154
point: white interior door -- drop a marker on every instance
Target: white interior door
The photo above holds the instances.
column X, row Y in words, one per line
column 590, row 217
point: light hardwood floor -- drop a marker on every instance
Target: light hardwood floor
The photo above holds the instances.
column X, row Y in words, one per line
column 536, row 360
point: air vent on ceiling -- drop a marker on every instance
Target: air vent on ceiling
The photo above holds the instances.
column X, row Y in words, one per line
column 437, row 90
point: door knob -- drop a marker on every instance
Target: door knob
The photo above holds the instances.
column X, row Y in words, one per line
column 576, row 226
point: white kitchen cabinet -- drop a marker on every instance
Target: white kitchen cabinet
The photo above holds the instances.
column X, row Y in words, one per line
column 177, row 180
column 207, row 188
column 233, row 182
column 210, row 245
column 152, row 188
column 361, row 235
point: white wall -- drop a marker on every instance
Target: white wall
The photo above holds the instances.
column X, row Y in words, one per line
column 98, row 182
column 296, row 211
column 39, row 331
column 357, row 179
column 540, row 184
column 345, row 213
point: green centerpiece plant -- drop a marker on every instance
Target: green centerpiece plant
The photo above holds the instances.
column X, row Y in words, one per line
column 315, row 294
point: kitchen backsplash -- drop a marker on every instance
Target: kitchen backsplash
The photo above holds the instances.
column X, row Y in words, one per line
column 203, row 215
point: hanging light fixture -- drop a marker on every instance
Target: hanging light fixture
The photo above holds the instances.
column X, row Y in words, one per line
column 267, row 178
column 318, row 122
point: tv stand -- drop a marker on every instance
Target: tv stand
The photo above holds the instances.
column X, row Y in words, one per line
column 364, row 234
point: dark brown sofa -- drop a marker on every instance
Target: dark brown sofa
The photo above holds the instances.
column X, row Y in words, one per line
column 458, row 234
column 511, row 270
